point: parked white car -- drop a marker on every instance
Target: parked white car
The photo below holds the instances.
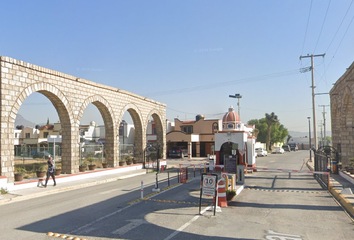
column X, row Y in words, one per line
column 278, row 150
column 261, row 152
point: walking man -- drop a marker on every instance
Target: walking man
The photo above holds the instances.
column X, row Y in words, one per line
column 50, row 171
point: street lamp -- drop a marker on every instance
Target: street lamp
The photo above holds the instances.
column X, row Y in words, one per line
column 238, row 96
column 122, row 124
column 310, row 138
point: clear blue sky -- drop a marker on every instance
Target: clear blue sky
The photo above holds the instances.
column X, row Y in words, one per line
column 188, row 54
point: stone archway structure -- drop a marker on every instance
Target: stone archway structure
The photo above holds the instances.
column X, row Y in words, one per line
column 342, row 115
column 70, row 96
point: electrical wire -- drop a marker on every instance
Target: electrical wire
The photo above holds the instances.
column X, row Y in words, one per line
column 307, row 26
column 342, row 37
column 223, row 84
column 345, row 15
column 324, row 20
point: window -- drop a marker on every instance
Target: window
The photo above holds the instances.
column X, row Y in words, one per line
column 45, row 134
column 28, row 135
column 230, row 125
column 154, row 131
column 215, row 126
column 187, row 129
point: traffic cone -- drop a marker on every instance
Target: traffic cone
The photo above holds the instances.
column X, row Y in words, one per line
column 222, row 201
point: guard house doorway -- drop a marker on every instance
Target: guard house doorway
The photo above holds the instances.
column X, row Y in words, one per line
column 228, row 149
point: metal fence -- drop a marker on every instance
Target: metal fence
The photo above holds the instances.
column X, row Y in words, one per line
column 126, row 150
column 322, row 165
column 35, row 158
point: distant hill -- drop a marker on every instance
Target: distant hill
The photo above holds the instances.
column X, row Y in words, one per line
column 303, row 134
column 21, row 121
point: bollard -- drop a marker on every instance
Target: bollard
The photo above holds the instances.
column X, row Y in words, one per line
column 142, row 190
column 194, row 171
column 157, row 181
column 168, row 177
column 227, row 183
column 178, row 175
column 156, row 189
column 232, row 183
column 289, row 174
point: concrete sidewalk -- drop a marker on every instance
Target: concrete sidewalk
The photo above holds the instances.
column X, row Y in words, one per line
column 65, row 182
column 342, row 188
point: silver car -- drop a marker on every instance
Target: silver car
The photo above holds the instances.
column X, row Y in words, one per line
column 261, row 152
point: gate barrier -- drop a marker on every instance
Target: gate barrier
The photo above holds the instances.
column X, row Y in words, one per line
column 188, row 160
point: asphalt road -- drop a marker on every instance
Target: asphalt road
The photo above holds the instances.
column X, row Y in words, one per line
column 272, row 206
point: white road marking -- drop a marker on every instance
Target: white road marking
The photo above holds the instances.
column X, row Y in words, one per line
column 282, row 236
column 187, row 224
column 98, row 220
column 130, row 226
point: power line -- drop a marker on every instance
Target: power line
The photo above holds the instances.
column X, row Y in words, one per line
column 225, row 83
column 324, row 20
column 342, row 37
column 339, row 26
column 262, row 110
column 307, row 25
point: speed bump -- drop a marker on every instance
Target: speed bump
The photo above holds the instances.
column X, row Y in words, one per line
column 63, row 236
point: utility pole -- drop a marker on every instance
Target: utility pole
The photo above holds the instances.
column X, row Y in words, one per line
column 310, row 138
column 324, row 121
column 313, row 97
column 321, row 142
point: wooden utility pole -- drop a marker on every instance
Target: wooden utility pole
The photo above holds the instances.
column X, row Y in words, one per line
column 313, row 97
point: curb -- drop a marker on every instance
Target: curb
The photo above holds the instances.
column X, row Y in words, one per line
column 18, row 198
column 343, row 201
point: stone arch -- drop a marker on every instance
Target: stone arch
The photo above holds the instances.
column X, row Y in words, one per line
column 160, row 128
column 108, row 117
column 346, row 124
column 335, row 117
column 347, row 112
column 63, row 108
column 140, row 132
column 68, row 94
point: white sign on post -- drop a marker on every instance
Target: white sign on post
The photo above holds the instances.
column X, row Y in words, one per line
column 209, row 185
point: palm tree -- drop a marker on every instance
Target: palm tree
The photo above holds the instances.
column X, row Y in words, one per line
column 271, row 120
column 288, row 139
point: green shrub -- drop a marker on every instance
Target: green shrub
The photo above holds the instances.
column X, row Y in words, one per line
column 231, row 192
column 20, row 170
column 3, row 191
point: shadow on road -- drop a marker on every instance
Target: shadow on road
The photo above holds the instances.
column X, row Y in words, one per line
column 285, row 206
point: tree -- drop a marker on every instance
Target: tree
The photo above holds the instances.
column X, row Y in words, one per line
column 48, row 122
column 271, row 120
column 288, row 139
column 261, row 126
column 278, row 132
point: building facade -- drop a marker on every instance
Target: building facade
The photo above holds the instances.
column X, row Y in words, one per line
column 342, row 115
column 196, row 136
column 235, row 141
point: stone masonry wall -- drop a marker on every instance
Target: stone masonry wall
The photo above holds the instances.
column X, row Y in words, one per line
column 342, row 115
column 70, row 97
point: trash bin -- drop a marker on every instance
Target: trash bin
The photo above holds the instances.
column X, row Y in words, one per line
column 335, row 167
